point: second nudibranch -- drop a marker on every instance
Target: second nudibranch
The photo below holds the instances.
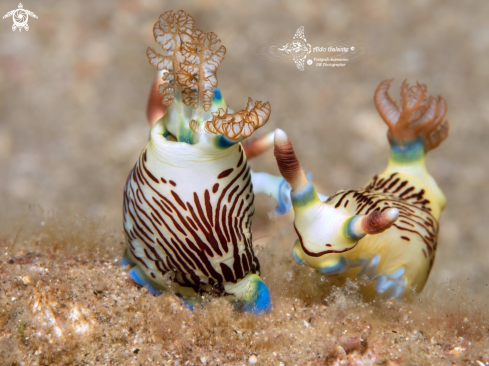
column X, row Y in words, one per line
column 387, row 231
column 188, row 202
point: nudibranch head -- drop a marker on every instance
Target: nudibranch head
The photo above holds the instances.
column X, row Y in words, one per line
column 188, row 67
column 323, row 229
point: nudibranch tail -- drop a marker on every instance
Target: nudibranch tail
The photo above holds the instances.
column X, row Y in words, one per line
column 418, row 117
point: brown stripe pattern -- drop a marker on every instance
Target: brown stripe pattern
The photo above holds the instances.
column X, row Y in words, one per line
column 415, row 223
column 191, row 239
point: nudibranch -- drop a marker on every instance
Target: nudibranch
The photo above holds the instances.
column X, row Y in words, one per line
column 388, row 230
column 188, row 202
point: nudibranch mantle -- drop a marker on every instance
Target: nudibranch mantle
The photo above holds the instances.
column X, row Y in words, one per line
column 200, row 232
column 387, row 231
column 188, row 202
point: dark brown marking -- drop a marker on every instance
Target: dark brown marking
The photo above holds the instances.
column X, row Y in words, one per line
column 208, row 206
column 230, row 196
column 240, row 160
column 178, row 199
column 405, row 222
column 217, row 225
column 405, row 238
column 224, row 224
column 401, row 186
column 163, row 180
column 227, row 272
column 225, row 173
column 173, row 183
column 312, row 254
column 406, row 191
column 386, row 181
column 139, row 259
column 152, row 177
column 191, row 222
column 244, row 260
column 391, row 185
column 215, row 188
column 341, row 199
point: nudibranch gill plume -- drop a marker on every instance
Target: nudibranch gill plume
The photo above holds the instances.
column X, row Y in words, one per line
column 388, row 230
column 188, row 202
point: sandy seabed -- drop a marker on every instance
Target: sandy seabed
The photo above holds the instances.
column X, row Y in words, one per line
column 66, row 300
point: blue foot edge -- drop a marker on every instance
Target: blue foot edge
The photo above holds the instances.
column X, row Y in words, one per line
column 284, row 203
column 141, row 279
column 125, row 261
column 339, row 267
column 262, row 301
column 186, row 303
column 296, row 258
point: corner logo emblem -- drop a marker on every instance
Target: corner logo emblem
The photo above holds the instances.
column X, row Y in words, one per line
column 20, row 17
column 298, row 48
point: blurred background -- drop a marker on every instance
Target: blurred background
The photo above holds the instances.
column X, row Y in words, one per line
column 73, row 93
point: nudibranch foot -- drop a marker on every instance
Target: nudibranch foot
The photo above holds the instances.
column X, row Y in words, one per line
column 393, row 285
column 253, row 295
column 126, row 261
column 249, row 294
column 334, row 264
column 188, row 304
column 275, row 187
column 142, row 279
column 369, row 267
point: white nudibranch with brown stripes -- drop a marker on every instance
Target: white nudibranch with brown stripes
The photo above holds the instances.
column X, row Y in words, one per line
column 188, row 202
column 388, row 230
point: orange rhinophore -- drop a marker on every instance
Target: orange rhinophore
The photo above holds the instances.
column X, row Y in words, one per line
column 418, row 116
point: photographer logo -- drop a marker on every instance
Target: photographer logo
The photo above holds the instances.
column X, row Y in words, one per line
column 20, row 17
column 332, row 54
